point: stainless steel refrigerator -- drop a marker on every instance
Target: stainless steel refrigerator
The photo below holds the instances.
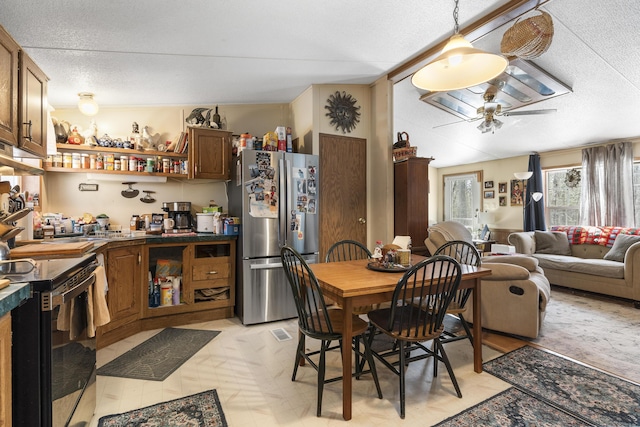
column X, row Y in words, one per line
column 276, row 196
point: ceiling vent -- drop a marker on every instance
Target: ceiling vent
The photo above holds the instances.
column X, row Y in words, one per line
column 521, row 84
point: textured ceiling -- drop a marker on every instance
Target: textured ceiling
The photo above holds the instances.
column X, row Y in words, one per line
column 163, row 52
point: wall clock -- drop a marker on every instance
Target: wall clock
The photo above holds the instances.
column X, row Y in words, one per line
column 343, row 113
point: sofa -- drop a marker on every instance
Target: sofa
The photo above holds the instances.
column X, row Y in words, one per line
column 514, row 297
column 605, row 260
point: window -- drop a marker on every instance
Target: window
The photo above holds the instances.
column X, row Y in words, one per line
column 562, row 201
column 462, row 198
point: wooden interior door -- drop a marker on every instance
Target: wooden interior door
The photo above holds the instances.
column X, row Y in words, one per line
column 343, row 190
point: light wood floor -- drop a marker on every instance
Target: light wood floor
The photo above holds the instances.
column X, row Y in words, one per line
column 251, row 371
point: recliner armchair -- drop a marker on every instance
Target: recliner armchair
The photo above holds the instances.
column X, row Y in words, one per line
column 514, row 296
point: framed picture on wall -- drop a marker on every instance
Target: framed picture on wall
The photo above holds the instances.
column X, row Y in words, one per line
column 489, row 194
column 502, row 187
column 488, row 184
column 502, row 200
column 518, row 187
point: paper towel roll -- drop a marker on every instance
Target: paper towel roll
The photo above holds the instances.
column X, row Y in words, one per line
column 27, row 223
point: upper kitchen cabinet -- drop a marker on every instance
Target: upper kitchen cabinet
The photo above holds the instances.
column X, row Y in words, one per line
column 33, row 107
column 23, row 100
column 209, row 153
column 9, row 58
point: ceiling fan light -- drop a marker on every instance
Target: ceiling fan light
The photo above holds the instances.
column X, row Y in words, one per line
column 87, row 105
column 459, row 66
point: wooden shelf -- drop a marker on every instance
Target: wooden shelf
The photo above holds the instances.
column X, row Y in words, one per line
column 147, row 153
column 114, row 172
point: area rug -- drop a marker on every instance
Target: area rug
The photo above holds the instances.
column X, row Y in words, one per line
column 597, row 330
column 202, row 410
column 586, row 393
column 512, row 407
column 159, row 356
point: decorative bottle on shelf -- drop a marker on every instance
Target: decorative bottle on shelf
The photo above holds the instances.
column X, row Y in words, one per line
column 216, row 119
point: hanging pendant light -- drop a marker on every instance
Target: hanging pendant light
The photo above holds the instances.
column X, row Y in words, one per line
column 459, row 66
column 86, row 104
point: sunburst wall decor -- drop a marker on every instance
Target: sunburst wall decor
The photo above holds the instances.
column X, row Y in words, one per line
column 343, row 113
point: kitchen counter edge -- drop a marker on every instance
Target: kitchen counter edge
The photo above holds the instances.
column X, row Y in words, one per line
column 12, row 296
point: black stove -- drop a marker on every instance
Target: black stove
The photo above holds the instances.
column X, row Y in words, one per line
column 44, row 275
column 53, row 355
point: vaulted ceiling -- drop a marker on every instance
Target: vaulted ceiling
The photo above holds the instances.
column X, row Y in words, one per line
column 204, row 52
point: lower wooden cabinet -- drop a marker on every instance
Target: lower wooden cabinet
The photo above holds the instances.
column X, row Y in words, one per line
column 206, row 290
column 207, row 276
column 5, row 370
column 124, row 275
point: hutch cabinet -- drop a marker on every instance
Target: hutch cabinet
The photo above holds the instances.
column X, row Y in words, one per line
column 411, row 201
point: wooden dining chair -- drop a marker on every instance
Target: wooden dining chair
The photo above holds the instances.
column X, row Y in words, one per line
column 465, row 253
column 349, row 250
column 316, row 321
column 416, row 315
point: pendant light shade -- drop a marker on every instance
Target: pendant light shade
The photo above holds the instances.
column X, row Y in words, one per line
column 87, row 105
column 459, row 66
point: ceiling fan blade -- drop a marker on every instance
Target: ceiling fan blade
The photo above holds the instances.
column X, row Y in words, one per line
column 528, row 113
column 459, row 121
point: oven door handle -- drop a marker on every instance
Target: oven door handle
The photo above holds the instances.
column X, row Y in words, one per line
column 51, row 300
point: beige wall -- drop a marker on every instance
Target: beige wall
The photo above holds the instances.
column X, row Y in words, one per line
column 61, row 194
column 507, row 217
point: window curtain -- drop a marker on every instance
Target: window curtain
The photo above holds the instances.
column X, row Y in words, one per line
column 534, row 211
column 607, row 185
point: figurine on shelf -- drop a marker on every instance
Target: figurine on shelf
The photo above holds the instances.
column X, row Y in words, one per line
column 74, row 137
column 90, row 134
column 134, row 138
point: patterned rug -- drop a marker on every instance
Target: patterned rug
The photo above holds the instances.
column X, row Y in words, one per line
column 585, row 393
column 510, row 408
column 201, row 410
column 159, row 356
column 596, row 330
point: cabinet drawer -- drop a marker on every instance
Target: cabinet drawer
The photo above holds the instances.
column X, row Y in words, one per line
column 210, row 271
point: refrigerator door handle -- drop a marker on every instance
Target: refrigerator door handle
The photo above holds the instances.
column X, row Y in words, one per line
column 266, row 266
column 282, row 203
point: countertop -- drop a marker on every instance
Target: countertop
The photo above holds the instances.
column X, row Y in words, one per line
column 12, row 296
column 148, row 239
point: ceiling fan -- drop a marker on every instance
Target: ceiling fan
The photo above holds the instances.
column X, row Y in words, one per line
column 492, row 108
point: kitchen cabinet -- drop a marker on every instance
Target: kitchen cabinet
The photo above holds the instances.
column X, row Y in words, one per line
column 23, row 100
column 9, row 59
column 5, row 370
column 411, row 201
column 33, row 107
column 207, row 271
column 124, row 275
column 207, row 268
column 117, row 152
column 209, row 153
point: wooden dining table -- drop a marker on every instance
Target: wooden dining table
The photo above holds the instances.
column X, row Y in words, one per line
column 352, row 284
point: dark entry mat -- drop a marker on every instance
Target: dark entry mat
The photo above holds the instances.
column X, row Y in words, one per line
column 159, row 356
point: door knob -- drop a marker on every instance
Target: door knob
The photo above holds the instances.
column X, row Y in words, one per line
column 362, row 220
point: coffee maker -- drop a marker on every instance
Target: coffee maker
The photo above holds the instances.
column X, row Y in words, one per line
column 180, row 212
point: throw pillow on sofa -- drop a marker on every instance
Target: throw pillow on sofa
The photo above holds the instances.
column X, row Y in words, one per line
column 620, row 246
column 552, row 242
